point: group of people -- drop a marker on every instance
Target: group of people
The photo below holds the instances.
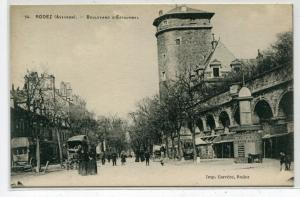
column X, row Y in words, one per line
column 286, row 160
column 143, row 156
column 111, row 155
column 87, row 160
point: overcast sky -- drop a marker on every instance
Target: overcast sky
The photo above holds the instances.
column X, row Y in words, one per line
column 113, row 63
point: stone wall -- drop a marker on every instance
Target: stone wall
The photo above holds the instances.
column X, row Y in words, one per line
column 268, row 86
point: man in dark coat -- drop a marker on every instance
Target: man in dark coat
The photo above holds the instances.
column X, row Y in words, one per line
column 288, row 162
column 114, row 158
column 282, row 159
column 147, row 156
column 92, row 162
column 123, row 157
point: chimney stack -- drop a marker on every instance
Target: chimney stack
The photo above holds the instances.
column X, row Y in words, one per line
column 213, row 42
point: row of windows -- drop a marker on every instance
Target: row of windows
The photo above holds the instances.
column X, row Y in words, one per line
column 191, row 22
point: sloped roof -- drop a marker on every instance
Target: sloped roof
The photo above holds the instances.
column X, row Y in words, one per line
column 185, row 9
column 215, row 62
column 222, row 54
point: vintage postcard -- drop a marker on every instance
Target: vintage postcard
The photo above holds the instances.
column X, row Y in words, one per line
column 151, row 95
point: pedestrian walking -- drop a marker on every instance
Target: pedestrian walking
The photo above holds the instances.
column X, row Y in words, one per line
column 83, row 159
column 123, row 157
column 108, row 156
column 163, row 151
column 147, row 157
column 92, row 162
column 102, row 158
column 137, row 156
column 114, row 158
column 288, row 162
column 282, row 159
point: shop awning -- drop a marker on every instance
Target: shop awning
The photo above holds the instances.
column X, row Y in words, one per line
column 186, row 137
column 199, row 141
column 77, row 138
column 223, row 139
column 274, row 135
column 156, row 147
column 209, row 139
column 20, row 142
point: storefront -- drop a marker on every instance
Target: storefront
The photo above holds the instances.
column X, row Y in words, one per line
column 276, row 143
column 223, row 146
column 205, row 147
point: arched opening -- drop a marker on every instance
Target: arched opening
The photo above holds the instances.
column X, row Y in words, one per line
column 199, row 124
column 224, row 119
column 286, row 106
column 210, row 121
column 262, row 112
column 236, row 115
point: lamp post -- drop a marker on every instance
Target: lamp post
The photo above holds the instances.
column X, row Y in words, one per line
column 38, row 154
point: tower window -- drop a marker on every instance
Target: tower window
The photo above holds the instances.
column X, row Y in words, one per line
column 178, row 41
column 216, row 72
column 163, row 76
column 165, row 22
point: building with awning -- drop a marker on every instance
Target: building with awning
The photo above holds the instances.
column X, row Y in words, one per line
column 199, row 141
column 223, row 146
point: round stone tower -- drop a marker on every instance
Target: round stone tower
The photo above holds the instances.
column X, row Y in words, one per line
column 184, row 39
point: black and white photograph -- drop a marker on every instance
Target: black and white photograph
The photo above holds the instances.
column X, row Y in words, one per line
column 151, row 95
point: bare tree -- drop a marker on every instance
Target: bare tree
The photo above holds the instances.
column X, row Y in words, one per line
column 33, row 89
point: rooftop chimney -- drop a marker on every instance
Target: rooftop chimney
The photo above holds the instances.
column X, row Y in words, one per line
column 213, row 42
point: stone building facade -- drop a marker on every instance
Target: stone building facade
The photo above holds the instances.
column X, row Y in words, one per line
column 254, row 118
column 185, row 40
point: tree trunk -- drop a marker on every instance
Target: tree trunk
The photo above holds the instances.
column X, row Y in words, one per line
column 179, row 145
column 59, row 147
column 167, row 147
column 38, row 155
column 194, row 143
column 173, row 147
